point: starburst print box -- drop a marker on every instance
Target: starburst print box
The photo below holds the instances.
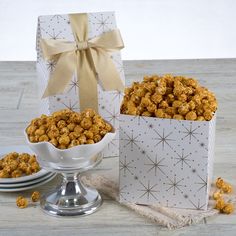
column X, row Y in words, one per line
column 166, row 161
column 102, row 43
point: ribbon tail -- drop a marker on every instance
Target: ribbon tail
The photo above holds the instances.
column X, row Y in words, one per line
column 88, row 94
column 62, row 74
column 106, row 70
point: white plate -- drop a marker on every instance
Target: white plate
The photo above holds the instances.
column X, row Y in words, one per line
column 21, row 184
column 19, row 149
column 27, row 187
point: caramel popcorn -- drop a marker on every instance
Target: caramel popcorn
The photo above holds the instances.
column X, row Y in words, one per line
column 217, row 195
column 4, row 174
column 14, row 165
column 226, row 188
column 35, row 196
column 16, row 173
column 168, row 96
column 228, row 208
column 65, row 128
column 191, row 115
column 220, row 203
column 178, row 117
column 21, row 202
column 219, row 182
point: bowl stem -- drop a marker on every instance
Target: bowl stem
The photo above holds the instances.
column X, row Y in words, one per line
column 71, row 198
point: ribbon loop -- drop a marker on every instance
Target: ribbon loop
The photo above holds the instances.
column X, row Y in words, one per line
column 88, row 58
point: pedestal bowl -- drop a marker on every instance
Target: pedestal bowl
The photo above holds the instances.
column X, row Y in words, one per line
column 71, row 197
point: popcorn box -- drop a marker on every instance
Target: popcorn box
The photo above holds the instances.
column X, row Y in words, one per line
column 58, row 27
column 166, row 161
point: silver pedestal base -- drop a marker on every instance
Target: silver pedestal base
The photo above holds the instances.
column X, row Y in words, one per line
column 71, row 198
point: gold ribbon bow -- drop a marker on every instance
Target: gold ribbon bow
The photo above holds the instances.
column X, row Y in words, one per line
column 89, row 58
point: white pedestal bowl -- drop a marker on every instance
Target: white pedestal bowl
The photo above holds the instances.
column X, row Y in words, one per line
column 71, row 197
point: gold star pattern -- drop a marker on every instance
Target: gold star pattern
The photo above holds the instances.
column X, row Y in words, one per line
column 131, row 140
column 58, row 18
column 71, row 106
column 148, row 190
column 122, row 192
column 174, row 185
column 163, row 139
column 139, row 118
column 125, row 166
column 54, row 35
column 102, row 22
column 183, row 159
column 202, row 183
column 155, row 165
column 198, row 205
column 113, row 116
column 190, row 133
column 51, row 65
column 74, row 84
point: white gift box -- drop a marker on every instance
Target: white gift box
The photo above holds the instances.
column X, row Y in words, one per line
column 58, row 27
column 166, row 161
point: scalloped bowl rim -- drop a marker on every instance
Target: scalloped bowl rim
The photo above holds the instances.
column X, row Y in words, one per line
column 71, row 148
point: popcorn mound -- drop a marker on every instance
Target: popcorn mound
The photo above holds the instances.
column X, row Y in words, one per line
column 168, row 96
column 14, row 165
column 66, row 128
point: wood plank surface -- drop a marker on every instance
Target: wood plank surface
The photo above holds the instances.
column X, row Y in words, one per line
column 19, row 104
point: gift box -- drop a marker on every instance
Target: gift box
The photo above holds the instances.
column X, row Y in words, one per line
column 79, row 66
column 166, row 161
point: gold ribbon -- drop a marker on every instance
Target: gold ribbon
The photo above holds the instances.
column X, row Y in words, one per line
column 89, row 58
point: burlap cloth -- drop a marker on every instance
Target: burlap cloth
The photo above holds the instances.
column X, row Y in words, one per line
column 172, row 218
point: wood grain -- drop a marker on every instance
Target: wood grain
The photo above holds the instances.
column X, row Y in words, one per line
column 19, row 104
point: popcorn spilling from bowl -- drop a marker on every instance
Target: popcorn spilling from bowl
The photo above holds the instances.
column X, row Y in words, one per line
column 66, row 128
column 168, row 96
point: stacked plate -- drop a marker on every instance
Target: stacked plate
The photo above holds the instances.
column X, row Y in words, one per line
column 25, row 182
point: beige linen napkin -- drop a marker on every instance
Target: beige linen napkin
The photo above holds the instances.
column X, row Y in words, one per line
column 172, row 218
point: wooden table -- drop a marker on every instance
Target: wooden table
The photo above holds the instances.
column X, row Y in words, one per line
column 18, row 105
